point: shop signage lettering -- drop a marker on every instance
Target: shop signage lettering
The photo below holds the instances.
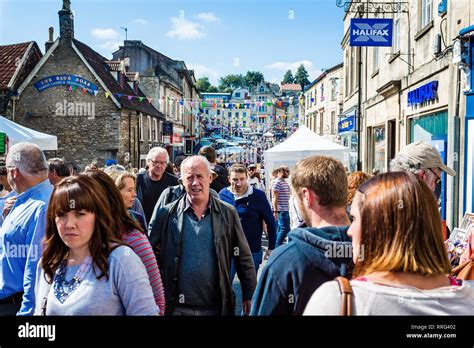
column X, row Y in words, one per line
column 425, row 93
column 347, row 124
column 371, row 32
column 69, row 80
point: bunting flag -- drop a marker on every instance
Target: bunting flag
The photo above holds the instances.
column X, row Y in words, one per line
column 130, row 97
column 149, row 100
column 141, row 99
column 119, row 95
column 107, row 94
column 70, row 89
column 84, row 90
column 73, row 88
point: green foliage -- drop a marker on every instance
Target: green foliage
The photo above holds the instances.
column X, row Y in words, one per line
column 301, row 76
column 288, row 78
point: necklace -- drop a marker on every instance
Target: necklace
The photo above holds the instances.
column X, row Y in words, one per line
column 62, row 288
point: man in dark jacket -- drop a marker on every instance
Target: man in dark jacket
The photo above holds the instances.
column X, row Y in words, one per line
column 222, row 180
column 196, row 236
column 315, row 254
column 253, row 209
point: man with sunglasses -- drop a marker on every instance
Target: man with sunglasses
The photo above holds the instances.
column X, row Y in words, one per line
column 254, row 177
column 154, row 181
column 423, row 160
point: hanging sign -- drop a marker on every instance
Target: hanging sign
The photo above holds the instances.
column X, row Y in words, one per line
column 371, row 32
column 70, row 80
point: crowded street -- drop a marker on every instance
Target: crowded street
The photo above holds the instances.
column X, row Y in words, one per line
column 286, row 159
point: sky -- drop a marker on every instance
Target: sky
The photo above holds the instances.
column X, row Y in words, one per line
column 213, row 37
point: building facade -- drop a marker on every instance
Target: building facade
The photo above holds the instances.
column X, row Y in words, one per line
column 411, row 90
column 86, row 101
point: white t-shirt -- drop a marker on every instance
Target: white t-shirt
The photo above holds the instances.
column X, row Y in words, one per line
column 376, row 299
column 255, row 183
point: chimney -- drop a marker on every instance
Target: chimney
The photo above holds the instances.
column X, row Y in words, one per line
column 66, row 22
column 50, row 41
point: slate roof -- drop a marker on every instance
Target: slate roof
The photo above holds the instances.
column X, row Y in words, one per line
column 100, row 66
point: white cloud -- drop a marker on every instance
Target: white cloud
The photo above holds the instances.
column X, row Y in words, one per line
column 105, row 33
column 284, row 66
column 140, row 21
column 183, row 29
column 203, row 71
column 111, row 45
column 208, row 17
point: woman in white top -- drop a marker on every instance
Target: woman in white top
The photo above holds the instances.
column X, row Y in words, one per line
column 401, row 264
column 85, row 269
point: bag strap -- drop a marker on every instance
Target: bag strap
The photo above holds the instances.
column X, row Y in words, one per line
column 346, row 295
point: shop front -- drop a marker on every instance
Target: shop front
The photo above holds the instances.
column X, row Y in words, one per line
column 428, row 122
column 347, row 130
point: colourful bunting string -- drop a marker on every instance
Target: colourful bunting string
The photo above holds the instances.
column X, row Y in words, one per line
column 107, row 94
column 130, row 97
column 141, row 99
column 149, row 100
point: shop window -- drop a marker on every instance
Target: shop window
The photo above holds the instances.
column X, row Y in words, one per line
column 426, row 12
column 379, row 148
column 426, row 127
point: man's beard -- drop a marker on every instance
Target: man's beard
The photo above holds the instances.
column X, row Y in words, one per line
column 303, row 213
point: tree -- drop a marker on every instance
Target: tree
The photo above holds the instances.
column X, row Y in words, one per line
column 212, row 89
column 203, row 84
column 301, row 76
column 288, row 78
column 231, row 81
column 253, row 78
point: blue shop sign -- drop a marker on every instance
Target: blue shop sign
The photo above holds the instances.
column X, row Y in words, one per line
column 425, row 93
column 70, row 80
column 346, row 125
column 371, row 32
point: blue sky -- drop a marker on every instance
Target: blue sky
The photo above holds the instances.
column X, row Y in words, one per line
column 214, row 37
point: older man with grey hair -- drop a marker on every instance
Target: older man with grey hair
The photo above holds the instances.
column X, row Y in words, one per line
column 195, row 237
column 423, row 160
column 154, row 181
column 23, row 228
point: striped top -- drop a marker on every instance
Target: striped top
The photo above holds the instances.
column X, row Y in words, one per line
column 283, row 189
column 141, row 245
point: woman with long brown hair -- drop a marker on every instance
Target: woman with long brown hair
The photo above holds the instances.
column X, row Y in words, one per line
column 401, row 263
column 85, row 269
column 120, row 189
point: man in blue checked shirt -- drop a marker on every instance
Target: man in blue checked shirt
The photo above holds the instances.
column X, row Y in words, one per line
column 23, row 228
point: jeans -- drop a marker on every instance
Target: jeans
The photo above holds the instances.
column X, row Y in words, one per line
column 257, row 260
column 283, row 227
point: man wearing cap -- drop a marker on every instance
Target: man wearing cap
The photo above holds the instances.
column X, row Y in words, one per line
column 423, row 160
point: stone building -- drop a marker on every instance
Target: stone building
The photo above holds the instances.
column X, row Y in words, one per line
column 412, row 90
column 172, row 87
column 323, row 101
column 87, row 102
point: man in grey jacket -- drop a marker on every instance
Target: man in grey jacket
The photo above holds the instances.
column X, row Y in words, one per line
column 195, row 237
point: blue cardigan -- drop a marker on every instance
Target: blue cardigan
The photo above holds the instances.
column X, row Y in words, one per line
column 253, row 210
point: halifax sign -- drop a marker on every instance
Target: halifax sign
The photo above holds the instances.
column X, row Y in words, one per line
column 371, row 32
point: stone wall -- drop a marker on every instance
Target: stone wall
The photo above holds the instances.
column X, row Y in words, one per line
column 87, row 131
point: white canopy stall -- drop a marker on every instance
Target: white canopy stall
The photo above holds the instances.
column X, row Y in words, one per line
column 301, row 144
column 17, row 134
